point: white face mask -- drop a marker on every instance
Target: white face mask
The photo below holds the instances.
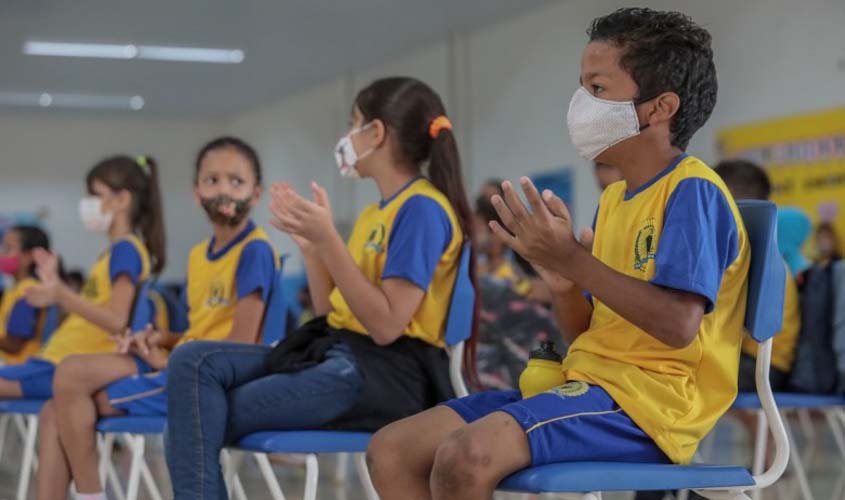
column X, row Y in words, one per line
column 597, row 124
column 346, row 156
column 91, row 213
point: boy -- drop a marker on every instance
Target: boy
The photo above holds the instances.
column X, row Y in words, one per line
column 654, row 315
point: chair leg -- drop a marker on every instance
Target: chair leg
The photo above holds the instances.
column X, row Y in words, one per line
column 341, row 467
column 364, row 476
column 149, row 480
column 761, row 443
column 269, row 477
column 136, row 446
column 108, row 473
column 312, row 475
column 795, row 460
column 231, row 461
column 31, row 427
column 4, row 427
column 838, row 437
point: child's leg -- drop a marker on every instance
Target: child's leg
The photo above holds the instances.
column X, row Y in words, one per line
column 472, row 461
column 79, row 400
column 401, row 455
column 53, row 478
column 199, row 376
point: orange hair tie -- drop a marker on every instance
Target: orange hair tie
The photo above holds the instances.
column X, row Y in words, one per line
column 438, row 124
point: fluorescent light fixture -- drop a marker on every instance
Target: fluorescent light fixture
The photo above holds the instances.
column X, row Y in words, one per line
column 98, row 50
column 130, row 51
column 84, row 101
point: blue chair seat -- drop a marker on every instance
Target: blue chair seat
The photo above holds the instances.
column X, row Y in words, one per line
column 23, row 406
column 577, row 477
column 306, row 442
column 133, row 425
column 750, row 401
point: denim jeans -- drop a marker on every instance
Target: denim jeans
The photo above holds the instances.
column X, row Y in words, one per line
column 219, row 392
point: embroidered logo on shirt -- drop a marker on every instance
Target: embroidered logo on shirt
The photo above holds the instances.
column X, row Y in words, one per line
column 375, row 241
column 217, row 295
column 644, row 246
column 570, row 389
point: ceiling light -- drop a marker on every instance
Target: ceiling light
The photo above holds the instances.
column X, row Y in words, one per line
column 86, row 101
column 130, row 51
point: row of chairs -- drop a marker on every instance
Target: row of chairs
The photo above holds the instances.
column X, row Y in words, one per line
column 585, row 481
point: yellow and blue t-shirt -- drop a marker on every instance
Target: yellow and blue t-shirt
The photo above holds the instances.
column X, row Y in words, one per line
column 785, row 343
column 415, row 236
column 76, row 335
column 217, row 280
column 681, row 230
column 21, row 320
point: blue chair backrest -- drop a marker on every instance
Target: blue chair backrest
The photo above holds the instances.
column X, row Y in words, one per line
column 177, row 309
column 142, row 310
column 51, row 322
column 462, row 306
column 276, row 312
column 767, row 275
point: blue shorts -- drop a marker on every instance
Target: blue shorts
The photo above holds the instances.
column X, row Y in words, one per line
column 35, row 376
column 575, row 422
column 141, row 395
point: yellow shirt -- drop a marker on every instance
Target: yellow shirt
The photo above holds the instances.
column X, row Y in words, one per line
column 784, row 344
column 214, row 285
column 681, row 230
column 372, row 240
column 77, row 335
column 11, row 297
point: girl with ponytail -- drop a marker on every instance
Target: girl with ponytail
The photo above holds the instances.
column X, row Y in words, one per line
column 376, row 351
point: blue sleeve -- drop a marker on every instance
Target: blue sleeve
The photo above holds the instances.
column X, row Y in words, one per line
column 418, row 238
column 125, row 259
column 256, row 269
column 22, row 320
column 699, row 241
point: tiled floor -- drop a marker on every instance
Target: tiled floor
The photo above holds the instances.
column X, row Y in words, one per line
column 731, row 446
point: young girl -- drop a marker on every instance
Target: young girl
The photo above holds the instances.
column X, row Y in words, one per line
column 386, row 295
column 228, row 282
column 21, row 324
column 123, row 204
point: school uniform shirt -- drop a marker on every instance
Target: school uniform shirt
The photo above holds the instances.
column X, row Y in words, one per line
column 414, row 236
column 785, row 343
column 20, row 320
column 76, row 335
column 217, row 280
column 682, row 231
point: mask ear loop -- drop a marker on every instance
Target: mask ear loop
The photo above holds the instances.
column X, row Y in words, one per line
column 641, row 101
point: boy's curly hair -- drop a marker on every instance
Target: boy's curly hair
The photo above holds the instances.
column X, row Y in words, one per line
column 665, row 52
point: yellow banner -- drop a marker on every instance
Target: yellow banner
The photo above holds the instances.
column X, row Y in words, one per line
column 805, row 158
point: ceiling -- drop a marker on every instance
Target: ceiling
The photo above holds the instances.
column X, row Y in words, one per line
column 289, row 45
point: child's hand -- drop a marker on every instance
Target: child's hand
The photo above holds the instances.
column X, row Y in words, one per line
column 544, row 235
column 123, row 341
column 146, row 344
column 307, row 220
column 279, row 210
column 556, row 283
column 46, row 266
column 42, row 295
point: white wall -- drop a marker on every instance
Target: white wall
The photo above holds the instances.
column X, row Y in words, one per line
column 44, row 161
column 508, row 86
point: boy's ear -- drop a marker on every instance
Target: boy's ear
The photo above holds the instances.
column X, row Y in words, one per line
column 665, row 107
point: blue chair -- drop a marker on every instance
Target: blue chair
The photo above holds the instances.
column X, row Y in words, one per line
column 586, row 480
column 135, row 430
column 458, row 330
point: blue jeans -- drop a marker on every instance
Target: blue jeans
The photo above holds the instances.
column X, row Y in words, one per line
column 219, row 392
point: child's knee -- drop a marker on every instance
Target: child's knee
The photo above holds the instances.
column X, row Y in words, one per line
column 385, row 451
column 462, row 462
column 70, row 374
column 47, row 417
